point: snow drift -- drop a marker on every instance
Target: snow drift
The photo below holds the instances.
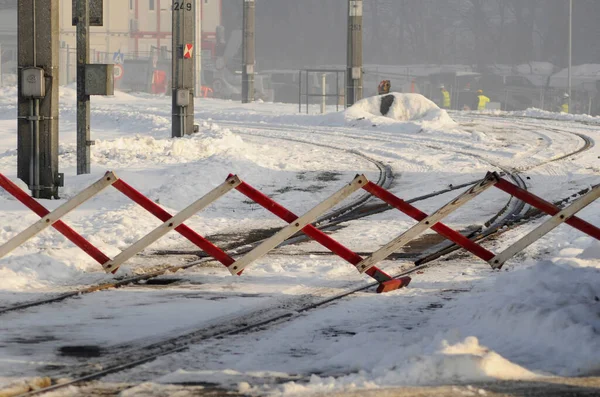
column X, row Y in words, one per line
column 413, row 111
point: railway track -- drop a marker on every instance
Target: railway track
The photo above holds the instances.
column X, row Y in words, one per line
column 257, row 320
column 384, row 180
column 512, row 213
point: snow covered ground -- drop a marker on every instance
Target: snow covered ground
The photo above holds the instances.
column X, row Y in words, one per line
column 458, row 321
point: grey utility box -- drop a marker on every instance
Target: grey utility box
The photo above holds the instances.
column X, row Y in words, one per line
column 33, row 83
column 96, row 12
column 183, row 98
column 99, row 79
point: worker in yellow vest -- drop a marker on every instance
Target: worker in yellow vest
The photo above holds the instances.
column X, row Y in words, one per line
column 564, row 108
column 446, row 102
column 482, row 100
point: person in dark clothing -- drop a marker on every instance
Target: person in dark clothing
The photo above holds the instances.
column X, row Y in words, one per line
column 384, row 87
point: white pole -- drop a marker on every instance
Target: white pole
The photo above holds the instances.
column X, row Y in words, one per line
column 323, row 92
column 570, row 50
column 198, row 49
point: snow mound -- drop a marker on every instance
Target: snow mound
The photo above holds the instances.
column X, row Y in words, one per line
column 145, row 150
column 529, row 313
column 591, row 252
column 535, row 113
column 407, row 109
column 466, row 361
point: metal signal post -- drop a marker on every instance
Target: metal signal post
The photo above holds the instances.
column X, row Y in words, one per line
column 183, row 67
column 92, row 79
column 248, row 56
column 37, row 144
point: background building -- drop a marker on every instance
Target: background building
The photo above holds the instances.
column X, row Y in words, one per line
column 132, row 29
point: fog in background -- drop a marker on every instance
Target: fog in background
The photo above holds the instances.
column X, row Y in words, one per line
column 307, row 33
column 514, row 50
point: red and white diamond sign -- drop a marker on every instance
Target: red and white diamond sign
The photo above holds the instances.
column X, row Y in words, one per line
column 188, row 50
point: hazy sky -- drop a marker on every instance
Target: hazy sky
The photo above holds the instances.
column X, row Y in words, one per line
column 303, row 33
column 296, row 33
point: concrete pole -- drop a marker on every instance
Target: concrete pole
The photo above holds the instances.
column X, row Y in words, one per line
column 83, row 101
column 570, row 51
column 248, row 55
column 0, row 64
column 354, row 84
column 183, row 66
column 37, row 143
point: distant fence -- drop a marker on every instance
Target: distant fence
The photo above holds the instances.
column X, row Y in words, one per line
column 321, row 86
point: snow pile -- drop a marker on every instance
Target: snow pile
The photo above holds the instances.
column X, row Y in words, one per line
column 131, row 150
column 546, row 115
column 520, row 325
column 589, row 70
column 543, row 114
column 591, row 252
column 143, row 149
column 528, row 313
column 413, row 111
column 464, row 361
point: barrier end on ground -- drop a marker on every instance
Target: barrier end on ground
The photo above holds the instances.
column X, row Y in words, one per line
column 392, row 285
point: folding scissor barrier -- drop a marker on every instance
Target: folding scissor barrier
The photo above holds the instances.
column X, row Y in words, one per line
column 301, row 223
column 176, row 223
column 567, row 215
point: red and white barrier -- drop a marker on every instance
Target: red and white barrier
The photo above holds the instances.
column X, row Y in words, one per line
column 426, row 222
column 54, row 221
column 386, row 282
column 566, row 215
column 300, row 223
column 172, row 223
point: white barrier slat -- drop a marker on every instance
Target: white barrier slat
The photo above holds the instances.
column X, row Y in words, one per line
column 172, row 224
column 426, row 223
column 297, row 225
column 54, row 216
column 545, row 228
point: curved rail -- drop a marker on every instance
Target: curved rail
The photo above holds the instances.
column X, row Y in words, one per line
column 385, row 179
column 510, row 214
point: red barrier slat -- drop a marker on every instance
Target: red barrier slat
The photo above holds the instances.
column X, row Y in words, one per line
column 309, row 230
column 439, row 227
column 164, row 216
column 60, row 226
column 547, row 207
